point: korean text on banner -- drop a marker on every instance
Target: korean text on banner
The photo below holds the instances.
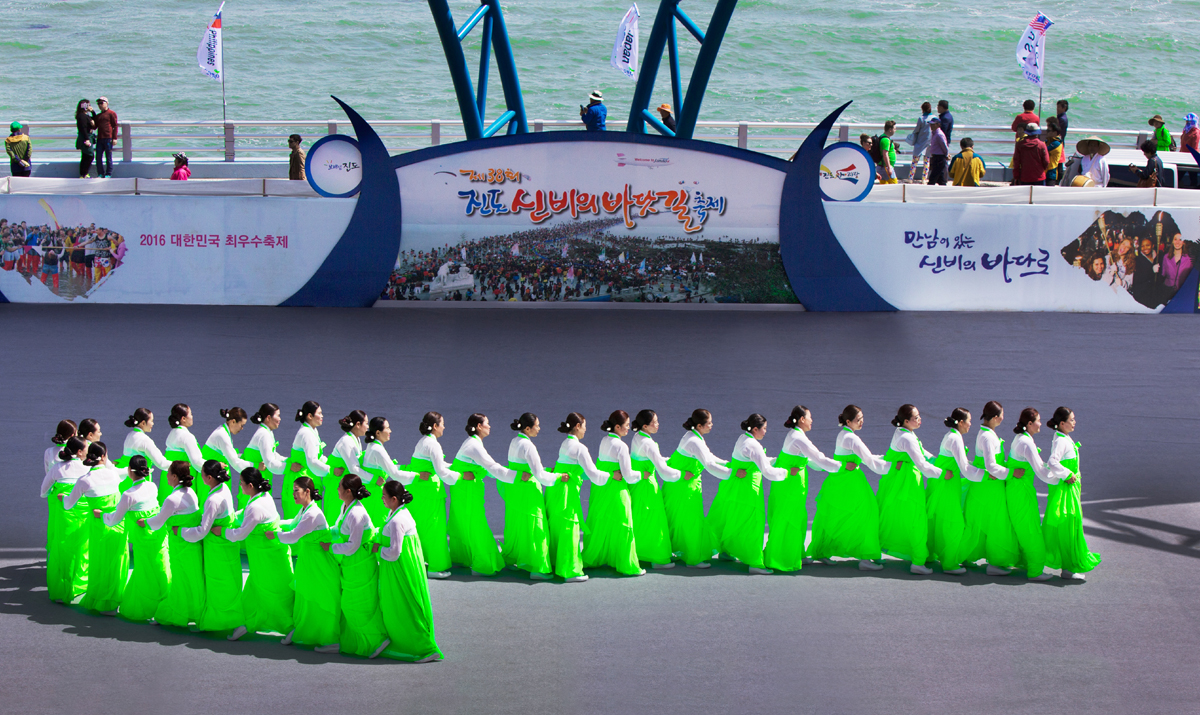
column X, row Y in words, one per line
column 208, row 55
column 625, row 49
column 1031, row 50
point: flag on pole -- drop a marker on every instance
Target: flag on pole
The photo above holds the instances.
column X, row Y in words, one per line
column 625, row 49
column 642, row 267
column 621, row 257
column 516, row 249
column 693, row 258
column 209, row 53
column 1032, row 48
column 463, row 252
column 702, row 258
column 604, row 255
column 564, row 250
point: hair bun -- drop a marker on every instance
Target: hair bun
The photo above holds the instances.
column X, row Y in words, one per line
column 516, row 425
column 562, row 427
column 300, row 415
column 129, row 422
column 224, row 414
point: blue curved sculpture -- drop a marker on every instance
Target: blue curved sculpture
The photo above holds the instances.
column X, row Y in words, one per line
column 821, row 273
column 362, row 259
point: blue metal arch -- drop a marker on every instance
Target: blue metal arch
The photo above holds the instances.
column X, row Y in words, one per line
column 687, row 109
column 472, row 104
column 361, row 261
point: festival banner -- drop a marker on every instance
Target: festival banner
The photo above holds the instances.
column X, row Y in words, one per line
column 208, row 55
column 625, row 48
column 1027, row 258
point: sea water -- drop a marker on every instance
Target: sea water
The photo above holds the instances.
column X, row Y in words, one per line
column 1117, row 62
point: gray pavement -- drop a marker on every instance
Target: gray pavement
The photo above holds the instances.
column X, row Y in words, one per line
column 826, row 640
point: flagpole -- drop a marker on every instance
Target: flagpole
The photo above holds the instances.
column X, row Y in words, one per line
column 224, row 119
column 1040, row 84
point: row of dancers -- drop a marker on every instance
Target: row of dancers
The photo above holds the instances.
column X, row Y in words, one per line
column 927, row 509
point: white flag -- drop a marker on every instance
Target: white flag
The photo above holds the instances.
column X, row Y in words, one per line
column 463, row 251
column 516, row 249
column 621, row 257
column 1031, row 50
column 209, row 53
column 625, row 49
column 693, row 259
column 564, row 250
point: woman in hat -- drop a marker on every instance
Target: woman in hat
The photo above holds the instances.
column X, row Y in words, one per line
column 1094, row 166
column 1162, row 138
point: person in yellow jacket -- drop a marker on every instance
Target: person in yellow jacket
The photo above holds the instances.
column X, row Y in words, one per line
column 966, row 169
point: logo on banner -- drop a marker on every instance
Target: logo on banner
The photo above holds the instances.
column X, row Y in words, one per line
column 623, row 160
column 334, row 166
column 847, row 172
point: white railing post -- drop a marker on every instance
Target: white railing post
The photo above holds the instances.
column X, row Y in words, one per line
column 229, row 150
column 126, row 142
column 539, row 125
column 332, row 126
column 435, row 132
column 743, row 135
column 844, row 133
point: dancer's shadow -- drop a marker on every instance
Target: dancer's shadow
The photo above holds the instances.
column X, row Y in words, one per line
column 23, row 593
column 1133, row 530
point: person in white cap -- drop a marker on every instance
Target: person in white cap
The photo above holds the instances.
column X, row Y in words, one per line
column 595, row 113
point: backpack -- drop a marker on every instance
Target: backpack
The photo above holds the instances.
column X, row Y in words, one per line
column 876, row 150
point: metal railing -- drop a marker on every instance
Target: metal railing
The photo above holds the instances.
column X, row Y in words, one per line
column 152, row 140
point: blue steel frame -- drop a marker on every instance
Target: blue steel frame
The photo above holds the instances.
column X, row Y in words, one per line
column 687, row 110
column 472, row 104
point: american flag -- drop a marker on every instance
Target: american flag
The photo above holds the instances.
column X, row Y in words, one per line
column 1040, row 23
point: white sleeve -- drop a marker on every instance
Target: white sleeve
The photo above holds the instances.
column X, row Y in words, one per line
column 713, row 464
column 379, row 459
column 312, row 453
column 579, row 452
column 225, row 446
column 969, row 472
column 1028, row 453
column 1054, row 468
column 192, row 450
column 312, row 520
column 150, row 450
column 395, row 542
column 250, row 519
column 193, row 534
column 989, row 462
column 77, row 491
column 534, row 460
column 273, row 462
column 114, row 517
column 440, row 466
column 815, row 457
column 351, row 545
column 169, row 507
column 915, row 452
column 626, row 464
column 665, row 471
column 870, row 461
column 49, row 480
column 473, row 448
column 50, row 457
column 758, row 455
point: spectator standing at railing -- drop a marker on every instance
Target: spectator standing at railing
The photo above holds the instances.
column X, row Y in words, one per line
column 1054, row 147
column 1025, row 118
column 945, row 118
column 966, row 168
column 296, row 160
column 85, row 136
column 19, row 150
column 595, row 114
column 182, row 172
column 106, row 134
column 1030, row 159
column 919, row 138
column 887, row 154
column 1162, row 137
column 664, row 111
column 1152, row 174
column 939, row 153
column 1190, row 139
column 1063, row 122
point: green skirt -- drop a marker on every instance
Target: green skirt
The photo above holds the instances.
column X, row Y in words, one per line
column 331, row 505
column 718, row 515
column 67, row 561
column 683, row 504
column 1021, row 495
column 297, row 466
column 150, row 579
column 222, row 585
column 903, row 520
column 650, row 531
column 1066, row 547
column 525, row 542
column 404, row 601
column 787, row 515
column 564, row 513
column 987, row 531
column 946, row 524
column 268, row 599
column 184, row 603
column 609, row 540
column 317, row 614
column 108, row 558
column 745, row 521
column 847, row 520
column 428, row 509
column 362, row 623
column 472, row 543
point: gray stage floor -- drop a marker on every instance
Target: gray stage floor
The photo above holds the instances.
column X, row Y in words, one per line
column 826, row 640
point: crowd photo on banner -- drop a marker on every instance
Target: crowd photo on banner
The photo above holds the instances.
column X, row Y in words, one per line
column 1148, row 259
column 581, row 261
column 70, row 261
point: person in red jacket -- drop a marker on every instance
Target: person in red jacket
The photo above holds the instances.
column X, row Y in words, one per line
column 1030, row 159
column 106, row 134
column 1026, row 117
